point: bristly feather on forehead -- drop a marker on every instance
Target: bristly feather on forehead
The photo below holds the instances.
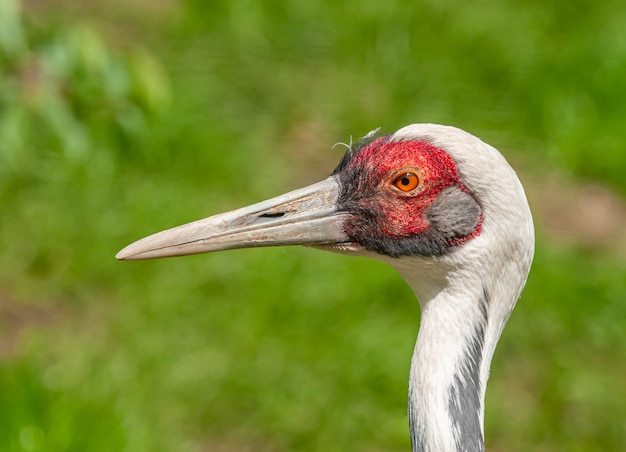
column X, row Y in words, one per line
column 362, row 143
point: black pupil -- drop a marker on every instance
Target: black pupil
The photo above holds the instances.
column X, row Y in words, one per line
column 405, row 180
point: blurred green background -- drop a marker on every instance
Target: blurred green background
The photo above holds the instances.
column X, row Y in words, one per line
column 121, row 118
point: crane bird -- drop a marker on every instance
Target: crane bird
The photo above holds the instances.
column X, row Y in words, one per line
column 448, row 213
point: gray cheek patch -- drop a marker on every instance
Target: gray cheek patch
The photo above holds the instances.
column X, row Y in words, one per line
column 454, row 213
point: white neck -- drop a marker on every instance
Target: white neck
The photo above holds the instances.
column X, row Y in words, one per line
column 446, row 391
column 464, row 310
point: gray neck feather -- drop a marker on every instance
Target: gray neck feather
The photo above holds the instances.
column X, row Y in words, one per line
column 465, row 394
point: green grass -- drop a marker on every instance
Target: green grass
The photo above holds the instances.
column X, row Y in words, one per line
column 193, row 109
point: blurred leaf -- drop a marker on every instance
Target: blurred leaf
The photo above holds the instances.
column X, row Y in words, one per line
column 12, row 39
column 150, row 82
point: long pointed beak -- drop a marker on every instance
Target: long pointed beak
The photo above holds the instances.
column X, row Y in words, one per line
column 307, row 216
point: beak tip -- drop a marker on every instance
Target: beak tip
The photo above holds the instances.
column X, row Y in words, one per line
column 123, row 255
column 130, row 253
column 146, row 248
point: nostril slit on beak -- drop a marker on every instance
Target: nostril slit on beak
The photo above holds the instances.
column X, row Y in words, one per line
column 272, row 215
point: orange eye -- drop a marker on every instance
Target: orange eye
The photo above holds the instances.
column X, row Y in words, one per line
column 407, row 181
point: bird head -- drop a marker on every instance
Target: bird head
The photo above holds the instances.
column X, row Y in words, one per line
column 416, row 192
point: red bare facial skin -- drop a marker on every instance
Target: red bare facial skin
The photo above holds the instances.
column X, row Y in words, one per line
column 382, row 161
